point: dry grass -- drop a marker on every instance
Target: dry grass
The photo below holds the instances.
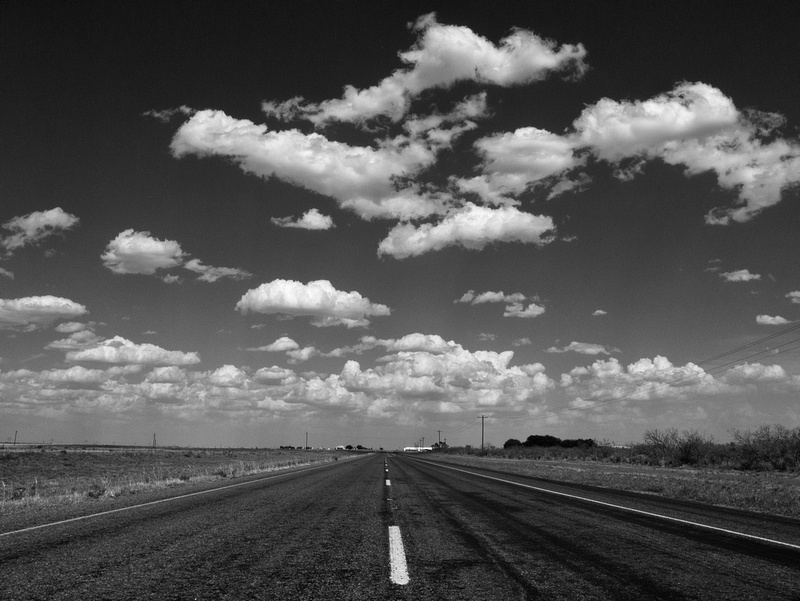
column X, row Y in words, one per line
column 59, row 476
column 776, row 493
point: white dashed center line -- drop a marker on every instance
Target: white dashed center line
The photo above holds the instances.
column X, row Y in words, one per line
column 397, row 557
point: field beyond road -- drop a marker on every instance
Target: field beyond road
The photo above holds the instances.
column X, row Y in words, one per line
column 776, row 493
column 53, row 476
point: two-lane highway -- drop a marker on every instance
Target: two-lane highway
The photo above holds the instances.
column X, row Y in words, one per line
column 497, row 532
column 391, row 526
column 317, row 533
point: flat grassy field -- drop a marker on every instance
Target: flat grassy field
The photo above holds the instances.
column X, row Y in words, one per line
column 50, row 476
column 776, row 493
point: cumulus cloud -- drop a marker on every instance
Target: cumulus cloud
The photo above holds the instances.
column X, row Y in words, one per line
column 515, row 160
column 522, row 342
column 584, row 348
column 741, row 275
column 6, row 273
column 302, row 354
column 228, row 376
column 442, row 56
column 32, row 312
column 428, row 343
column 794, row 296
column 273, row 374
column 754, row 372
column 34, row 227
column 490, row 297
column 646, row 379
column 282, row 344
column 121, row 350
column 599, row 312
column 138, row 252
column 70, row 327
column 361, row 178
column 311, row 220
column 520, row 310
column 473, row 227
column 515, row 306
column 170, row 374
column 770, row 320
column 318, row 299
column 77, row 340
column 697, row 127
column 212, row 274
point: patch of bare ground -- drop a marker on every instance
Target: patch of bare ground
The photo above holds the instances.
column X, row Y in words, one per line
column 776, row 493
column 60, row 476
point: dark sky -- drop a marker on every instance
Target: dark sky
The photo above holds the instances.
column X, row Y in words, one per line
column 638, row 215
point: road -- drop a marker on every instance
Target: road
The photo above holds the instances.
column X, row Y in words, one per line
column 342, row 531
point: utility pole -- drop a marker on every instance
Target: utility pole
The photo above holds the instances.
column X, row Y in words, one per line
column 15, row 437
column 439, row 432
column 482, row 418
column 306, row 440
column 154, row 440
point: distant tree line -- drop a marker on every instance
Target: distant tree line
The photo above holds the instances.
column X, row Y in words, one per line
column 766, row 448
column 537, row 440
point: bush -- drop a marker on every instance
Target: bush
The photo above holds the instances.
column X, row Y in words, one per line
column 769, row 447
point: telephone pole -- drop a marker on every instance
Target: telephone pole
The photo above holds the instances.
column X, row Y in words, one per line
column 439, row 432
column 482, row 418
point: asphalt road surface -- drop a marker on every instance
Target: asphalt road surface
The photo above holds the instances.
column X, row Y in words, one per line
column 390, row 526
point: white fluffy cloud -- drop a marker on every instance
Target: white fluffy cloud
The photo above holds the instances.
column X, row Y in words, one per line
column 740, row 275
column 35, row 227
column 696, row 126
column 515, row 306
column 311, row 220
column 490, row 297
column 33, row 312
column 76, row 340
column 360, row 177
column 794, row 296
column 473, row 227
column 520, row 310
column 607, row 381
column 513, row 161
column 318, row 299
column 281, row 345
column 771, row 320
column 138, row 252
column 121, row 350
column 584, row 348
column 442, row 56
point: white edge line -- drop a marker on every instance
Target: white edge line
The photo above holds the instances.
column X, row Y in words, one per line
column 388, row 482
column 397, row 557
column 184, row 496
column 622, row 507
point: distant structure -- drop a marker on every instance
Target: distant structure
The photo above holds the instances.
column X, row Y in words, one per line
column 417, row 449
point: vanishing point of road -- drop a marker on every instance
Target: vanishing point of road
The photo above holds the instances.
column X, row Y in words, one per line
column 392, row 526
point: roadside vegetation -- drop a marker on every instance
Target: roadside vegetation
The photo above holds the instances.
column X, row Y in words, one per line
column 50, row 476
column 759, row 470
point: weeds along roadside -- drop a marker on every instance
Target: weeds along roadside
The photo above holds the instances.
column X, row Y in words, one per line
column 48, row 478
column 775, row 493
